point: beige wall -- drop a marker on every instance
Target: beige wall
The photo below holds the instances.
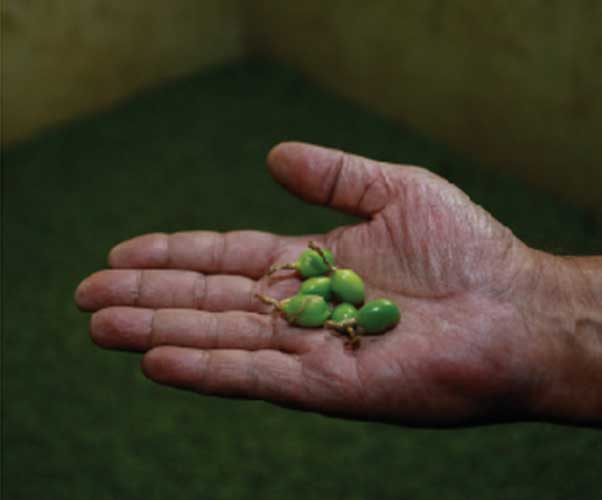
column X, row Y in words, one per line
column 516, row 84
column 64, row 58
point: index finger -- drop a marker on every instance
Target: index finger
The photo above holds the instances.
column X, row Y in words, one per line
column 248, row 253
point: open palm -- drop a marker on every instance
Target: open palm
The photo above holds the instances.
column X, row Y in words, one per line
column 459, row 355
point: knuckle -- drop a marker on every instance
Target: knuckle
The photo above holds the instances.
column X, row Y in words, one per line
column 335, row 173
column 200, row 291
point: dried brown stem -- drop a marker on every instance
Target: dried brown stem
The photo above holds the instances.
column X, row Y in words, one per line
column 268, row 300
column 314, row 246
column 278, row 267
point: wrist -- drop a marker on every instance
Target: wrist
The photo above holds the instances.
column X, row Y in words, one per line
column 566, row 315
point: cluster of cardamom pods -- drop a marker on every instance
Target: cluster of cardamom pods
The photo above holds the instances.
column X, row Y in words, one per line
column 333, row 298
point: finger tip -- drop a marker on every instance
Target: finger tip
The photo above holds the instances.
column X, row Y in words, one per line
column 278, row 158
column 100, row 328
column 121, row 328
column 281, row 149
column 142, row 251
column 113, row 259
column 122, row 253
column 149, row 362
column 157, row 363
column 290, row 151
column 79, row 296
column 172, row 365
column 84, row 294
column 106, row 328
column 301, row 168
column 94, row 292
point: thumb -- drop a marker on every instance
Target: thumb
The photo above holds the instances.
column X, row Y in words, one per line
column 333, row 178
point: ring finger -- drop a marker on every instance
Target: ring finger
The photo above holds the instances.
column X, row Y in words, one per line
column 139, row 329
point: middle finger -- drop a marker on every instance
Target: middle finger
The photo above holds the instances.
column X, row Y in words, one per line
column 178, row 289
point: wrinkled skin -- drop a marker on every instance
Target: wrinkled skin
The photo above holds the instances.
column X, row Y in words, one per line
column 463, row 353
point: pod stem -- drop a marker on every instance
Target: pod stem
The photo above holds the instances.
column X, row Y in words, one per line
column 342, row 325
column 278, row 267
column 354, row 337
column 314, row 246
column 348, row 327
column 268, row 300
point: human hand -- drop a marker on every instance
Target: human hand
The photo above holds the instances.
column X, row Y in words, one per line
column 479, row 336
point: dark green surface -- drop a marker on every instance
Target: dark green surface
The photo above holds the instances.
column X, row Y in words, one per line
column 83, row 423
